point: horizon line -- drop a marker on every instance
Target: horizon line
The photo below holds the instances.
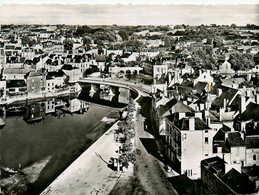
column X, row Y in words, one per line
column 129, row 3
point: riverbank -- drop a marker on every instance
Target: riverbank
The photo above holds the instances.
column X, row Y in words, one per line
column 89, row 173
column 72, row 90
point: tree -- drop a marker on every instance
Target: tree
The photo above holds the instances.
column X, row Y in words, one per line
column 233, row 25
column 82, row 30
column 68, row 45
column 217, row 41
column 27, row 41
column 124, row 34
column 87, row 41
column 241, row 61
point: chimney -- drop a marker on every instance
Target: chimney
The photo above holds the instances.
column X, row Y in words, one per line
column 59, row 60
column 200, row 72
column 248, row 77
column 201, row 106
column 219, row 150
column 165, row 92
column 198, row 115
column 208, row 105
column 242, row 104
column 226, row 135
column 219, row 92
column 191, row 124
column 225, row 104
column 169, row 77
column 181, row 115
column 208, row 121
column 257, row 98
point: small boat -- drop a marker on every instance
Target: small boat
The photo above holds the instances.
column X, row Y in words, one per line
column 7, row 169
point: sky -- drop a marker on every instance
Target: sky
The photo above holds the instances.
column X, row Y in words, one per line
column 124, row 14
column 131, row 1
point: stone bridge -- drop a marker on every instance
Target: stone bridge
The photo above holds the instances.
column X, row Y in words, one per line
column 143, row 90
column 125, row 70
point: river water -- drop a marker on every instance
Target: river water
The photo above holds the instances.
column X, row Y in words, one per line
column 59, row 128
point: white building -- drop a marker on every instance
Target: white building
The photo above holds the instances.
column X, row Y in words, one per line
column 189, row 140
column 159, row 70
column 225, row 68
column 14, row 74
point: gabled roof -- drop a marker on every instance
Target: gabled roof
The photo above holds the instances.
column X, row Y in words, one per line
column 177, row 106
column 183, row 123
column 219, row 136
column 227, row 94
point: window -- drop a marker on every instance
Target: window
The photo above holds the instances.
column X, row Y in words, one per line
column 254, row 157
column 206, row 140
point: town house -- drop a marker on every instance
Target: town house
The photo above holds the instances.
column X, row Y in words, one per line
column 182, row 133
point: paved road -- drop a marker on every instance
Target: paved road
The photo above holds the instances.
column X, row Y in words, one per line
column 149, row 176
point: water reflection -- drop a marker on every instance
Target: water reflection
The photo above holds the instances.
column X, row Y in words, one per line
column 106, row 95
column 34, row 112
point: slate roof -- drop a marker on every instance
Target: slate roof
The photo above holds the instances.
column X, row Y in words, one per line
column 183, row 123
column 199, row 87
column 234, row 139
column 227, row 94
column 238, row 182
column 67, row 67
column 251, row 113
column 178, row 107
column 15, row 83
column 15, row 71
column 164, row 108
column 235, row 104
column 252, row 142
column 215, row 165
column 219, row 136
column 252, row 171
column 59, row 73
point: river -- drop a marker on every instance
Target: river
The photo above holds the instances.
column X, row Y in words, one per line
column 59, row 128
